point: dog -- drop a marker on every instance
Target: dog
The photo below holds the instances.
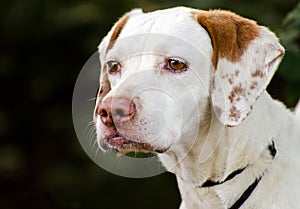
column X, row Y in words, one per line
column 190, row 86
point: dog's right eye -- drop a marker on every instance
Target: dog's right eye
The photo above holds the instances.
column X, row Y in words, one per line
column 175, row 65
column 113, row 66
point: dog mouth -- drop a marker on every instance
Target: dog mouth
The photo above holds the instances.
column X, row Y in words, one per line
column 123, row 145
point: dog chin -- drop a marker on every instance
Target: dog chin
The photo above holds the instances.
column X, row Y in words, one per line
column 123, row 145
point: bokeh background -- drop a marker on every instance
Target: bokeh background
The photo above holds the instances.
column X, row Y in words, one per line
column 43, row 45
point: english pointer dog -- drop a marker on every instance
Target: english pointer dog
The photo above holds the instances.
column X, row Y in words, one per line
column 190, row 85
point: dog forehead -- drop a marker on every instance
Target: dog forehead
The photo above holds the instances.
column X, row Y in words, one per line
column 176, row 22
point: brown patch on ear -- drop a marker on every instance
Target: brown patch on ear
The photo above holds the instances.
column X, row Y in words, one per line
column 118, row 28
column 230, row 33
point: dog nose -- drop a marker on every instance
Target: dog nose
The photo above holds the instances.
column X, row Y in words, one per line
column 114, row 111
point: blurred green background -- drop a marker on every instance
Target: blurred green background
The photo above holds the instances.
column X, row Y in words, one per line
column 43, row 45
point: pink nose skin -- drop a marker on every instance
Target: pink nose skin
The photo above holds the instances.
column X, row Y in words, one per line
column 114, row 111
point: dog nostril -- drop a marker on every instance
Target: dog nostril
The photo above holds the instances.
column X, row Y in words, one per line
column 120, row 112
column 105, row 117
column 103, row 113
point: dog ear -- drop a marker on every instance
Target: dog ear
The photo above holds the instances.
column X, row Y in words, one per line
column 245, row 57
column 107, row 44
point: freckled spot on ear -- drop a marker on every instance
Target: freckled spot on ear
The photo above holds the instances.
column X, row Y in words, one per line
column 235, row 114
column 239, row 90
column 236, row 91
column 237, row 72
column 230, row 80
column 253, row 85
column 257, row 73
column 231, row 96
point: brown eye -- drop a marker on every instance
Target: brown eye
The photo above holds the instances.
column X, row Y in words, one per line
column 176, row 65
column 113, row 66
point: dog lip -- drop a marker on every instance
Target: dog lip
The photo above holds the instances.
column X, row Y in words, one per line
column 118, row 141
column 124, row 145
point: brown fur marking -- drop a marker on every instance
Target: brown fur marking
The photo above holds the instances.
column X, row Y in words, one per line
column 230, row 34
column 258, row 73
column 239, row 90
column 253, row 85
column 236, row 91
column 234, row 113
column 104, row 86
column 118, row 28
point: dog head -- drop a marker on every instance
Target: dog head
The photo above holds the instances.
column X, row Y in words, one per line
column 163, row 71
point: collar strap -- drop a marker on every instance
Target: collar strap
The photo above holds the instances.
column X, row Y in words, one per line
column 272, row 149
column 245, row 195
column 250, row 189
column 210, row 183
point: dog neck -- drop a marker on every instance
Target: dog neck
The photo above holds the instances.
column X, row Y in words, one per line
column 219, row 150
column 224, row 150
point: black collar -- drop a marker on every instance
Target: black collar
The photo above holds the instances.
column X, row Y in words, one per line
column 210, row 183
column 250, row 189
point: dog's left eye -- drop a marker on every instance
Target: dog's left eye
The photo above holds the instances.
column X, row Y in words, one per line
column 113, row 66
column 176, row 65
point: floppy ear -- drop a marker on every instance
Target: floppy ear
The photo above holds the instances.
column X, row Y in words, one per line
column 245, row 57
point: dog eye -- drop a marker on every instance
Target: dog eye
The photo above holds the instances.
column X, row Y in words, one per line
column 176, row 65
column 113, row 66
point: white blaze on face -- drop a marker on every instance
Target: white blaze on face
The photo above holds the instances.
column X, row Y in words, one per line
column 168, row 103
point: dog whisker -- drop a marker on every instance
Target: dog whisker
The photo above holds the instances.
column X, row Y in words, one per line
column 92, row 99
column 96, row 153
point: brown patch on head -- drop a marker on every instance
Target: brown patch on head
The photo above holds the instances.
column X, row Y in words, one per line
column 118, row 28
column 230, row 34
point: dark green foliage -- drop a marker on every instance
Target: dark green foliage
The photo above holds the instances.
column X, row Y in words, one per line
column 290, row 68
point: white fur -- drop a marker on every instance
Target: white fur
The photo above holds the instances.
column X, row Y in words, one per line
column 175, row 110
column 297, row 109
